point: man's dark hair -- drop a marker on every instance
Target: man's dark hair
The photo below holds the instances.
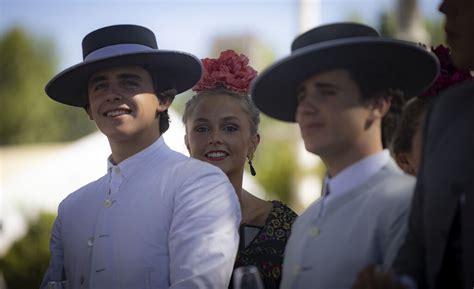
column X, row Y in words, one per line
column 372, row 88
column 165, row 93
column 165, row 96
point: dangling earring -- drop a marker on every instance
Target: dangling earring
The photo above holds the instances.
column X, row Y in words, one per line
column 252, row 169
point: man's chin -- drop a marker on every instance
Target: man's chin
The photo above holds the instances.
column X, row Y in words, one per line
column 312, row 148
column 118, row 134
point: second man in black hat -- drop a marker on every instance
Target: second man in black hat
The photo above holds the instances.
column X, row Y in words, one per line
column 343, row 84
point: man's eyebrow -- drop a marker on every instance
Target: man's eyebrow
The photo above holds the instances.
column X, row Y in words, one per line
column 322, row 85
column 129, row 75
column 96, row 79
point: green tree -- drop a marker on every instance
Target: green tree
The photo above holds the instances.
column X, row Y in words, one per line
column 388, row 24
column 436, row 31
column 388, row 27
column 27, row 260
column 28, row 115
column 275, row 160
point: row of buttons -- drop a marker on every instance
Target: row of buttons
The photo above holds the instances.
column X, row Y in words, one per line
column 313, row 232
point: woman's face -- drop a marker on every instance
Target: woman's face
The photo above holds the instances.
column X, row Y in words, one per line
column 218, row 131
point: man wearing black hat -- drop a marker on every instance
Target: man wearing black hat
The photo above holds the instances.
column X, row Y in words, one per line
column 157, row 219
column 342, row 83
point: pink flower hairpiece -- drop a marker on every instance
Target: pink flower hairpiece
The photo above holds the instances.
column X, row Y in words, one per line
column 230, row 70
column 448, row 75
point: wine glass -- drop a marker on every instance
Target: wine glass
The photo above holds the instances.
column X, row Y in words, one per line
column 247, row 277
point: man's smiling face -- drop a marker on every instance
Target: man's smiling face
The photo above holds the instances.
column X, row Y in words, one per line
column 123, row 103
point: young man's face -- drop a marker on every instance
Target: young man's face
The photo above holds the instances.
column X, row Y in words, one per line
column 123, row 103
column 459, row 28
column 330, row 113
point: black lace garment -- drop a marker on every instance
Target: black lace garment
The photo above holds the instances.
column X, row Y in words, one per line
column 267, row 248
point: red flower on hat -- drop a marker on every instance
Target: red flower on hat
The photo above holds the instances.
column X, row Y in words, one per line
column 449, row 74
column 230, row 70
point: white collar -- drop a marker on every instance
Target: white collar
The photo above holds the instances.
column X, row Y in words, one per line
column 354, row 175
column 134, row 160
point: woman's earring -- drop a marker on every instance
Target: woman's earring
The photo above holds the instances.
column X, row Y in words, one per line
column 252, row 169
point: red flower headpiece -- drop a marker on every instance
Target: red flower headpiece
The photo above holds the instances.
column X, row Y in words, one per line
column 449, row 74
column 230, row 70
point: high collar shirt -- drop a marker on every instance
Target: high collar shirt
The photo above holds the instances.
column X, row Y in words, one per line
column 363, row 223
column 353, row 176
column 158, row 219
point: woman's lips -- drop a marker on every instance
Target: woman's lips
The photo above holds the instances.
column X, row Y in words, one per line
column 216, row 155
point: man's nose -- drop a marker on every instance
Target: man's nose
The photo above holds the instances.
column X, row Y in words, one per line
column 307, row 106
column 114, row 94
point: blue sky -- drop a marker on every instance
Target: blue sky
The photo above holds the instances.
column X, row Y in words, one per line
column 188, row 25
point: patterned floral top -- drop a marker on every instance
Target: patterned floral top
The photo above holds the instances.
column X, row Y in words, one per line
column 267, row 248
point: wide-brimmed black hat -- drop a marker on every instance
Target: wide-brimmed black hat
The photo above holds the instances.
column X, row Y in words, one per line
column 120, row 45
column 395, row 64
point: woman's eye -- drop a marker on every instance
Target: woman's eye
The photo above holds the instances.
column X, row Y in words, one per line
column 201, row 129
column 230, row 128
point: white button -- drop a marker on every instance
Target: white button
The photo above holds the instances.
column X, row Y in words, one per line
column 107, row 203
column 117, row 170
column 314, row 231
column 90, row 242
column 296, row 270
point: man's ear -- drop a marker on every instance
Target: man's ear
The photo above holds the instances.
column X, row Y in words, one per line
column 163, row 104
column 380, row 106
column 404, row 163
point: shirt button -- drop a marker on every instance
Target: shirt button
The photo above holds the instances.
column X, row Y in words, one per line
column 296, row 270
column 107, row 203
column 90, row 242
column 314, row 231
column 117, row 170
column 81, row 280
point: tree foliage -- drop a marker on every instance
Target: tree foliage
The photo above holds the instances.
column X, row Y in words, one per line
column 28, row 115
column 275, row 160
column 388, row 27
column 27, row 260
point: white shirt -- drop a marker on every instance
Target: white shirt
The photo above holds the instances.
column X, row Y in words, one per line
column 156, row 220
column 363, row 224
column 353, row 176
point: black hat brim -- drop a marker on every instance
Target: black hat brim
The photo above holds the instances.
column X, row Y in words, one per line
column 170, row 69
column 399, row 64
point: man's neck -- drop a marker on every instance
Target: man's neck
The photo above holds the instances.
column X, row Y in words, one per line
column 122, row 150
column 337, row 162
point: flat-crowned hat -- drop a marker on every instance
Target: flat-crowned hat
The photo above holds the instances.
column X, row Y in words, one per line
column 395, row 64
column 121, row 45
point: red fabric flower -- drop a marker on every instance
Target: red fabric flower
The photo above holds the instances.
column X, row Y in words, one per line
column 230, row 70
column 448, row 74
